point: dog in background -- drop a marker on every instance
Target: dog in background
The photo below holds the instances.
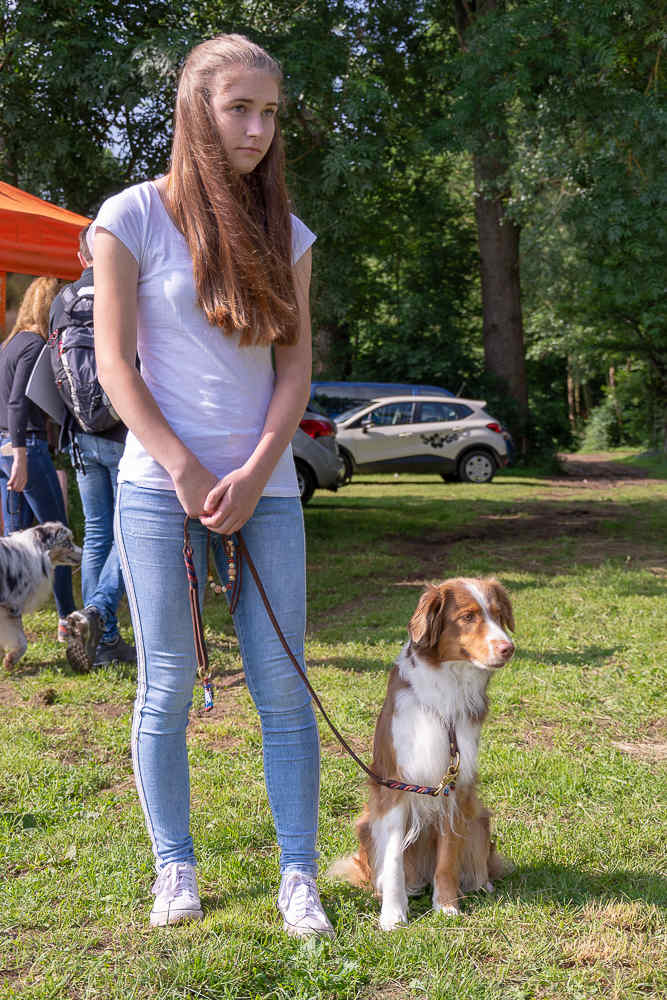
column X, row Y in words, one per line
column 435, row 705
column 27, row 559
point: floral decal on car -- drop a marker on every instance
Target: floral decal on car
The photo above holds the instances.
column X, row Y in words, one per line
column 440, row 440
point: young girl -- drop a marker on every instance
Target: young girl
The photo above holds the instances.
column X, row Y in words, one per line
column 204, row 273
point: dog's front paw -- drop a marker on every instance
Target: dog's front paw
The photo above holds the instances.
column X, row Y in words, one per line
column 448, row 909
column 391, row 918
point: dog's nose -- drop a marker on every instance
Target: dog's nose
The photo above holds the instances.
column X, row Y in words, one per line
column 506, row 650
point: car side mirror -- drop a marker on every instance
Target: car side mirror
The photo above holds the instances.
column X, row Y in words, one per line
column 366, row 423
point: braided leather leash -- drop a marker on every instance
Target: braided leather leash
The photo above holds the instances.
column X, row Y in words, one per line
column 237, row 553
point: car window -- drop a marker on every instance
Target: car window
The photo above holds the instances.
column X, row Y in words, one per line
column 430, row 412
column 350, row 413
column 392, row 414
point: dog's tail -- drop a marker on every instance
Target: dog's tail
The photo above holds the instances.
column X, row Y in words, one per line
column 353, row 869
column 499, row 865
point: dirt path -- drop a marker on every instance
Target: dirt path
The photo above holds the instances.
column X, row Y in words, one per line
column 599, row 465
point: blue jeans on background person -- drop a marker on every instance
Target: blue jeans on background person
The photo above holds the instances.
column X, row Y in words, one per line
column 42, row 499
column 101, row 578
column 149, row 535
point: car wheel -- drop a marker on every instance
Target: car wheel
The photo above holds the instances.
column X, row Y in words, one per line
column 349, row 464
column 477, row 467
column 305, row 480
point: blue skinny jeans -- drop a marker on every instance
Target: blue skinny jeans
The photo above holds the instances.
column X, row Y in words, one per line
column 149, row 535
column 42, row 499
column 101, row 578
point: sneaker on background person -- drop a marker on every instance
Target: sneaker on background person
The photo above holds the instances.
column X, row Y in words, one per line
column 115, row 651
column 85, row 630
column 87, row 646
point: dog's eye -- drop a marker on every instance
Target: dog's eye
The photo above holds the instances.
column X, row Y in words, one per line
column 469, row 616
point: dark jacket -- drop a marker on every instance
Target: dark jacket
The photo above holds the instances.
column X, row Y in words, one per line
column 18, row 414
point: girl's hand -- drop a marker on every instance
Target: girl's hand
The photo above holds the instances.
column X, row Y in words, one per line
column 193, row 485
column 232, row 502
column 19, row 476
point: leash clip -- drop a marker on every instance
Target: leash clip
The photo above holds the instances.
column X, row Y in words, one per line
column 448, row 783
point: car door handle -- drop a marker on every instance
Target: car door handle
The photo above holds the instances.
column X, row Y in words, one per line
column 405, row 434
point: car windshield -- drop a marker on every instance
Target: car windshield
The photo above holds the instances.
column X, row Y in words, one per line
column 357, row 408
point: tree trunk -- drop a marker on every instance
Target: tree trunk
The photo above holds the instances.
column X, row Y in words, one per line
column 572, row 408
column 617, row 408
column 498, row 236
column 332, row 351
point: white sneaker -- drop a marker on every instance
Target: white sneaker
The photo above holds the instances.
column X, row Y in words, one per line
column 176, row 895
column 299, row 903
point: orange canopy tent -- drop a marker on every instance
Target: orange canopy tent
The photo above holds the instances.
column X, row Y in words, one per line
column 36, row 238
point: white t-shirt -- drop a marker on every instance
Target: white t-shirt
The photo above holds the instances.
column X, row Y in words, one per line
column 213, row 393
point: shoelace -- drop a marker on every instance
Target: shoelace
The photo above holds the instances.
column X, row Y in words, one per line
column 175, row 879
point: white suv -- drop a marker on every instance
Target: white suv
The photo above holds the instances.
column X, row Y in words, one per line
column 452, row 437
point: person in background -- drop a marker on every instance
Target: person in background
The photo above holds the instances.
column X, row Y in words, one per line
column 93, row 637
column 28, row 480
column 206, row 274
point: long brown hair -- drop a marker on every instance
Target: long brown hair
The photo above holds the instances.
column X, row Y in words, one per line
column 237, row 227
column 33, row 312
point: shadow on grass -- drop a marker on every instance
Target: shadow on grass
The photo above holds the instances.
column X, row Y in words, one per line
column 589, row 656
column 565, row 884
column 356, row 664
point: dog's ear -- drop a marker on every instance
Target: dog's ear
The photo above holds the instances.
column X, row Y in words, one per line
column 41, row 532
column 504, row 603
column 428, row 621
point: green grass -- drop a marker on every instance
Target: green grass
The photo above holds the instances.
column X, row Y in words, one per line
column 653, row 462
column 572, row 765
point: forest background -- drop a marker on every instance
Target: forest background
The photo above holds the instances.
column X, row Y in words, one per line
column 486, row 178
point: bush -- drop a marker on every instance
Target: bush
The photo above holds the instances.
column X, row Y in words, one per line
column 602, row 430
column 624, row 416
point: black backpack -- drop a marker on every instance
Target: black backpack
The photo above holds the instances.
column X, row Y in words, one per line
column 72, row 352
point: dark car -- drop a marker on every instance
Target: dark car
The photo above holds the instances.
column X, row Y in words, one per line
column 335, row 398
column 318, row 462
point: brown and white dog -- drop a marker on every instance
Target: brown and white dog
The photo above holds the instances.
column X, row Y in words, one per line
column 458, row 638
column 27, row 559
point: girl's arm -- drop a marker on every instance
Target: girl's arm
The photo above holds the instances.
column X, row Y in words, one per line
column 115, row 324
column 232, row 501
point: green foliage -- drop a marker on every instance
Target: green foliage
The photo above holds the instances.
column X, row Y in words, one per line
column 624, row 416
column 383, row 110
column 76, row 122
column 602, row 430
column 570, row 97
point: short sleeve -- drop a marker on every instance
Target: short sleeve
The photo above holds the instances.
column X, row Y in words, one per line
column 125, row 215
column 302, row 239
